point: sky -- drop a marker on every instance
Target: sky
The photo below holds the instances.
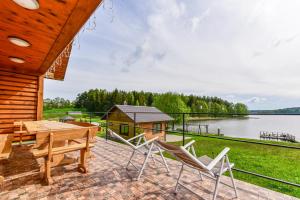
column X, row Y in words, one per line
column 241, row 51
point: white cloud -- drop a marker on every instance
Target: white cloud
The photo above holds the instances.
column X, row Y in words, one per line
column 196, row 20
column 223, row 47
column 256, row 100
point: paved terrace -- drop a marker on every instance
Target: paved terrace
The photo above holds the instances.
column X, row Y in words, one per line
column 108, row 179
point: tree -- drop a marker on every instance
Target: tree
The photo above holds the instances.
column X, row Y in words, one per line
column 241, row 109
column 100, row 100
column 172, row 104
column 150, row 99
column 200, row 106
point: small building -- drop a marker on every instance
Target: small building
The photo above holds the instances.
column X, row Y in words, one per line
column 74, row 113
column 149, row 120
column 67, row 119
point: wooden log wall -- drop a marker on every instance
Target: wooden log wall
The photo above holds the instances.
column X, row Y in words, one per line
column 21, row 99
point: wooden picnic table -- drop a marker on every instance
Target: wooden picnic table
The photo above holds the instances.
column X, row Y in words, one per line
column 34, row 127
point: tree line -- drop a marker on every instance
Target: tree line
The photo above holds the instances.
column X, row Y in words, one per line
column 101, row 100
column 57, row 103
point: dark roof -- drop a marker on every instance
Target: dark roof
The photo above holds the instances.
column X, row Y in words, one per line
column 67, row 118
column 143, row 113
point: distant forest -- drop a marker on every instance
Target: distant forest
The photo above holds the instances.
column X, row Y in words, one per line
column 294, row 110
column 100, row 100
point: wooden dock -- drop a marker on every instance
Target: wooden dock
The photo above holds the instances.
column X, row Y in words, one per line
column 277, row 136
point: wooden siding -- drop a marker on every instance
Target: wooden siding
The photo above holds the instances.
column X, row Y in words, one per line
column 116, row 118
column 147, row 129
column 115, row 126
column 21, row 99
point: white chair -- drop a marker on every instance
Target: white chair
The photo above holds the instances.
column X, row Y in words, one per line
column 204, row 164
column 141, row 144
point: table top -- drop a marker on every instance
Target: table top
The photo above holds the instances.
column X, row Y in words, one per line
column 44, row 125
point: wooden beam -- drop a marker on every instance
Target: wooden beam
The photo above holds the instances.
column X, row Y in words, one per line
column 40, row 99
column 76, row 20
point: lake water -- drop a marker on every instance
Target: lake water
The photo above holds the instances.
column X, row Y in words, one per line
column 251, row 127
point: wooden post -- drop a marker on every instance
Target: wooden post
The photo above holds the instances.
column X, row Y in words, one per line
column 134, row 124
column 183, row 129
column 40, row 98
column 206, row 127
column 48, row 161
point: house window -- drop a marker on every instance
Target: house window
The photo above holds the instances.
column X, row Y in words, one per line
column 124, row 129
column 157, row 128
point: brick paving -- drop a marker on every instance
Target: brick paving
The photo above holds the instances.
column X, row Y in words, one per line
column 108, row 179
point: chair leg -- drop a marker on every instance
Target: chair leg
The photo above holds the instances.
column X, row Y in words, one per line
column 201, row 177
column 233, row 183
column 164, row 160
column 177, row 183
column 145, row 162
column 231, row 176
column 153, row 159
column 218, row 178
column 130, row 159
column 216, row 187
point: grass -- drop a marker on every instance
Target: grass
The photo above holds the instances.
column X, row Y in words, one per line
column 56, row 114
column 277, row 162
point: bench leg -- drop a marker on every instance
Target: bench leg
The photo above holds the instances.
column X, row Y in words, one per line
column 82, row 165
column 21, row 138
column 48, row 178
column 1, row 182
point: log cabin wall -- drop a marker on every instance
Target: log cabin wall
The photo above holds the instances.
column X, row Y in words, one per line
column 21, row 99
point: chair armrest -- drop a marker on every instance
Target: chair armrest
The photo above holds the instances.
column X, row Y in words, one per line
column 189, row 144
column 147, row 142
column 136, row 137
column 213, row 163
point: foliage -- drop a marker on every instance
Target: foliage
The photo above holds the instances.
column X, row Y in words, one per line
column 240, row 108
column 277, row 162
column 100, row 100
column 171, row 103
column 57, row 103
column 294, row 110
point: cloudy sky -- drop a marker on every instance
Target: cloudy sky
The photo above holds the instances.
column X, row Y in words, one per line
column 242, row 51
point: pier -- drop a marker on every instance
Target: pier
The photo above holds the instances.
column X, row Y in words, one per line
column 277, row 136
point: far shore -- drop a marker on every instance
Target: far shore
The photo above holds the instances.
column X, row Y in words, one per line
column 217, row 118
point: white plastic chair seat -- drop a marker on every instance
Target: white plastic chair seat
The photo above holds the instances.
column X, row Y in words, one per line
column 147, row 148
column 216, row 169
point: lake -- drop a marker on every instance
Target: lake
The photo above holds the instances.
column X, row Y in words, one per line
column 251, row 127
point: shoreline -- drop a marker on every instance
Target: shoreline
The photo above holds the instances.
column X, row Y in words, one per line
column 216, row 118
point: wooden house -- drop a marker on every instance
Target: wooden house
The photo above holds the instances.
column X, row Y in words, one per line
column 123, row 118
column 36, row 41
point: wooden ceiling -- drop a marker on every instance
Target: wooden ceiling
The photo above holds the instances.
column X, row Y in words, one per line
column 48, row 29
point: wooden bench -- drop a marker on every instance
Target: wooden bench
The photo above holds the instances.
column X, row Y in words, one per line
column 93, row 128
column 5, row 145
column 5, row 149
column 49, row 144
column 20, row 134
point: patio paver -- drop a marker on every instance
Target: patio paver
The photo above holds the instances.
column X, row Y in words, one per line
column 108, row 179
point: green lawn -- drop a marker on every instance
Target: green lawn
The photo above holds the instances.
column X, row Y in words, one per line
column 277, row 162
column 55, row 114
